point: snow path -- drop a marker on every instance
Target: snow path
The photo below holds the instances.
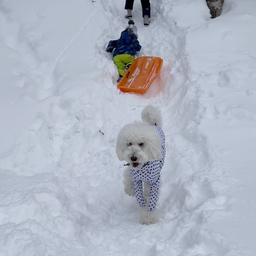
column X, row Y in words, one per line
column 61, row 187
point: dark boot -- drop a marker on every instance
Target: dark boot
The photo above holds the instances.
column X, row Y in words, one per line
column 129, row 14
column 146, row 20
column 215, row 7
column 119, row 78
column 127, row 67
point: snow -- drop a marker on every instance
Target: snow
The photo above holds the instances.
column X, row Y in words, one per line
column 61, row 188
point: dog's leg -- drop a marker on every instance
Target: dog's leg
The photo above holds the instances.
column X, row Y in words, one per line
column 128, row 183
column 146, row 190
column 150, row 217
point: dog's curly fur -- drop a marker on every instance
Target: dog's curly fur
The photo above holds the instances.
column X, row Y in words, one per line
column 139, row 143
column 140, row 139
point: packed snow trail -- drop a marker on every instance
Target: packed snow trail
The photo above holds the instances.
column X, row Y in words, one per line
column 61, row 185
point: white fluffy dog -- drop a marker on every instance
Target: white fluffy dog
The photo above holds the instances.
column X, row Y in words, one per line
column 142, row 145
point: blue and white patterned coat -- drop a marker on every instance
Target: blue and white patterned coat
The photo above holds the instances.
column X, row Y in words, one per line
column 149, row 172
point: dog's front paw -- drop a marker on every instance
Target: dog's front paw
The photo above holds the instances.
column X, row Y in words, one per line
column 148, row 218
column 129, row 190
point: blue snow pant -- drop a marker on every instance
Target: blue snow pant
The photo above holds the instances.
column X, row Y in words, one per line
column 145, row 4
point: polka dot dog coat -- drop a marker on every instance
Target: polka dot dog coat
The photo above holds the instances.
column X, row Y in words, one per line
column 150, row 172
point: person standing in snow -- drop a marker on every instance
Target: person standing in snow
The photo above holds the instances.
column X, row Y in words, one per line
column 215, row 7
column 145, row 4
column 125, row 48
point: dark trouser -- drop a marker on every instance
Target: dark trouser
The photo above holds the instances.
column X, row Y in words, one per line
column 144, row 3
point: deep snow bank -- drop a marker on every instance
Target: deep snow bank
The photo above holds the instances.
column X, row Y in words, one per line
column 61, row 183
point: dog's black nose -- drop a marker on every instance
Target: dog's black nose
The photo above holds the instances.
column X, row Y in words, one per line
column 133, row 158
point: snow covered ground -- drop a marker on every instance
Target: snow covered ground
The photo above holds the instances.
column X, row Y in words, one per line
column 61, row 191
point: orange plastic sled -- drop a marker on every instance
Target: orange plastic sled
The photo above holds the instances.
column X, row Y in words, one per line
column 141, row 74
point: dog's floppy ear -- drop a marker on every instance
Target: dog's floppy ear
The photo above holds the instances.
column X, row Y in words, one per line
column 120, row 147
column 119, row 153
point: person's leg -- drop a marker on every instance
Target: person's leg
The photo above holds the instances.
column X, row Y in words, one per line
column 128, row 59
column 129, row 5
column 121, row 61
column 145, row 4
column 119, row 64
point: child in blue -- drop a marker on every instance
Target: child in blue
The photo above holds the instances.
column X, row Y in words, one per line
column 125, row 48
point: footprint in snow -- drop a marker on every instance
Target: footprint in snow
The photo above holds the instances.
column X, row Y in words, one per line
column 227, row 79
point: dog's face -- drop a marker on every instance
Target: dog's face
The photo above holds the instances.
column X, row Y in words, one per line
column 137, row 144
column 135, row 153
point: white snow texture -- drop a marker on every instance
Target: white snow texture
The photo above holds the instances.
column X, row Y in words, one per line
column 61, row 183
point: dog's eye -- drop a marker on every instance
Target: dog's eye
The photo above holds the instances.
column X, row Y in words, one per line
column 141, row 144
column 129, row 144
